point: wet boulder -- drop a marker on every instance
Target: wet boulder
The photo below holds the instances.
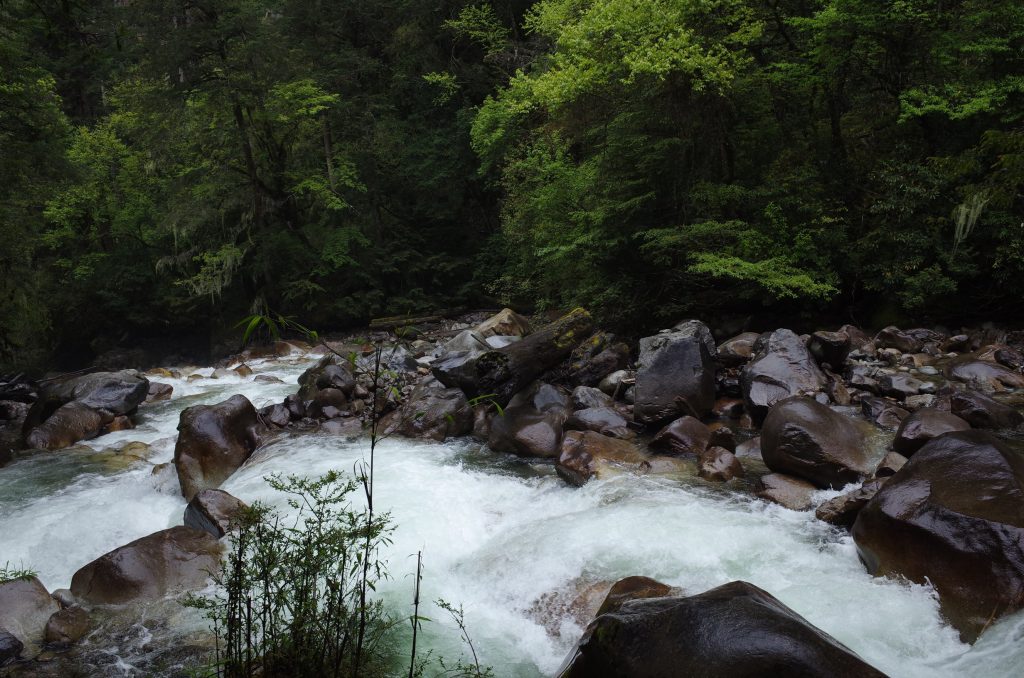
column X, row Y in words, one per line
column 890, row 464
column 781, row 367
column 276, row 414
column 67, row 425
column 25, row 607
column 984, row 376
column 923, row 425
column 10, row 647
column 67, row 626
column 829, row 348
column 806, row 439
column 213, row 441
column 328, row 372
column 718, row 464
column 733, row 631
column 214, row 511
column 953, row 516
column 179, row 558
column 584, row 455
column 883, row 412
column 736, row 351
column 436, row 414
column 585, row 397
column 686, row 435
column 842, row 510
column 675, row 374
column 785, row 490
column 981, row 411
column 158, row 391
column 116, row 392
column 900, row 385
column 894, row 337
column 603, row 420
column 532, row 424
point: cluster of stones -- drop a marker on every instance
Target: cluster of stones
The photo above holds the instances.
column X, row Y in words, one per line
column 779, row 414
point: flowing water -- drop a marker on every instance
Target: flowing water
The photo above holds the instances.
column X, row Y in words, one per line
column 505, row 539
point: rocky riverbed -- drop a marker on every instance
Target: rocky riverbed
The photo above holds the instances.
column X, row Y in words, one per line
column 836, row 503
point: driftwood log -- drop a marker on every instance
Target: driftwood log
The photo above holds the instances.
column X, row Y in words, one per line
column 502, row 373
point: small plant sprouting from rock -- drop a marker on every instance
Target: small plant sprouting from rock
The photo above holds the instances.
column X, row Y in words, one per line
column 9, row 573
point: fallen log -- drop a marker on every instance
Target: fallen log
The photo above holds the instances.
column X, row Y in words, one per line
column 504, row 372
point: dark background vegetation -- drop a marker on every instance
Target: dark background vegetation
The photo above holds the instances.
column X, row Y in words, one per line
column 168, row 166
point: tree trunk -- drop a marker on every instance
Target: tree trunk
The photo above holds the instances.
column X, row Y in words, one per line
column 502, row 373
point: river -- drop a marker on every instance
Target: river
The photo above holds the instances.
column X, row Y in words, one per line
column 506, row 539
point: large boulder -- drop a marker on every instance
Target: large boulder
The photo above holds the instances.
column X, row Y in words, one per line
column 984, row 376
column 806, row 439
column 328, row 373
column 116, row 392
column 505, row 323
column 213, row 441
column 894, row 337
column 532, row 424
column 830, row 348
column 603, row 420
column 435, row 413
column 686, row 435
column 25, row 607
column 981, row 411
column 214, row 511
column 149, row 568
column 923, row 425
column 675, row 374
column 68, row 424
column 781, row 367
column 733, row 631
column 78, row 408
column 586, row 454
column 953, row 516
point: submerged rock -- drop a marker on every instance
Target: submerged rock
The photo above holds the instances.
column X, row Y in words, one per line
column 585, row 454
column 171, row 560
column 733, row 631
column 793, row 493
column 953, row 516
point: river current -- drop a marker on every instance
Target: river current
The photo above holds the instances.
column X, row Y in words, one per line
column 505, row 539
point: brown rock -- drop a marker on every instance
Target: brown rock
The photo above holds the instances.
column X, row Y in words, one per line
column 736, row 351
column 793, row 493
column 842, row 510
column 158, row 391
column 922, row 426
column 25, row 607
column 214, row 511
column 67, row 626
column 686, row 435
column 149, row 568
column 506, row 323
column 890, row 465
column 781, row 368
column 719, row 464
column 954, row 517
column 804, row 438
column 584, row 454
column 67, row 425
column 213, row 441
column 632, row 588
column 981, row 411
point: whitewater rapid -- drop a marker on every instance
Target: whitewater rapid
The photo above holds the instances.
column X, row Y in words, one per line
column 505, row 539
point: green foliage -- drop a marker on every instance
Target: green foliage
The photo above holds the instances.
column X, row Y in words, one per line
column 8, row 573
column 291, row 601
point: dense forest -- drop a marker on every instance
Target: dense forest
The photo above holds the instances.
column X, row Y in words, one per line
column 167, row 166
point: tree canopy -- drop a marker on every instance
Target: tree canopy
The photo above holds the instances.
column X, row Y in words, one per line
column 166, row 166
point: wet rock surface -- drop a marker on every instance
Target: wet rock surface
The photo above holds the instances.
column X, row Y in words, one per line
column 781, row 367
column 735, row 631
column 953, row 516
column 675, row 374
